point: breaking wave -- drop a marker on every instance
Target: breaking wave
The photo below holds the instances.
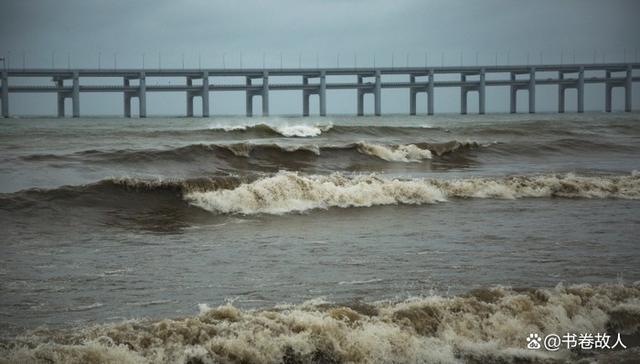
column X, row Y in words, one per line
column 286, row 130
column 277, row 152
column 293, row 192
column 398, row 153
column 286, row 192
column 487, row 325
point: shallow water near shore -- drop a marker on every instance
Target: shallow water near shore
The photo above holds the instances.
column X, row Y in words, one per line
column 337, row 239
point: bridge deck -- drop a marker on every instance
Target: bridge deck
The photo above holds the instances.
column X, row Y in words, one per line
column 135, row 83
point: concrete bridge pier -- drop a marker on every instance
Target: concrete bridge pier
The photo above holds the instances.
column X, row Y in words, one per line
column 482, row 95
column 203, row 93
column 375, row 89
column 463, row 95
column 189, row 98
column 581, row 90
column 61, row 96
column 530, row 87
column 561, row 89
column 513, row 93
column 361, row 93
column 578, row 85
column 249, row 98
column 265, row 93
column 377, row 93
column 127, row 98
column 262, row 92
column 412, row 96
column 430, row 89
column 627, row 89
column 305, row 96
column 532, row 90
column 5, row 94
column 611, row 83
column 415, row 90
column 140, row 93
column 323, row 94
column 480, row 87
column 321, row 91
column 75, row 95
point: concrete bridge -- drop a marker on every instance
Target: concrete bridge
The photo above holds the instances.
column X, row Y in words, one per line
column 65, row 83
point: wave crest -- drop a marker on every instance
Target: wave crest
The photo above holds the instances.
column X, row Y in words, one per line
column 292, row 192
column 286, row 130
column 398, row 153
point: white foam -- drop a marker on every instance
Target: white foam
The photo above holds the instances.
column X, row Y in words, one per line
column 291, row 192
column 348, row 283
column 287, row 192
column 283, row 128
column 303, row 131
column 485, row 325
column 398, row 153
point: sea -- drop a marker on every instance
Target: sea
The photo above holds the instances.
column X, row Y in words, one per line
column 339, row 239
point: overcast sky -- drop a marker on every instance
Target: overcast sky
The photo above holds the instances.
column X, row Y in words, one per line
column 85, row 32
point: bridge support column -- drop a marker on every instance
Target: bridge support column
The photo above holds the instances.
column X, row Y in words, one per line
column 481, row 93
column 61, row 96
column 249, row 99
column 305, row 97
column 189, row 98
column 142, row 95
column 607, row 95
column 75, row 95
column 265, row 93
column 320, row 90
column 581, row 90
column 627, row 89
column 412, row 96
column 5, row 94
column 430, row 94
column 323, row 94
column 377, row 92
column 532, row 90
column 205, row 94
column 513, row 95
column 561, row 89
column 360, row 98
column 463, row 95
column 127, row 99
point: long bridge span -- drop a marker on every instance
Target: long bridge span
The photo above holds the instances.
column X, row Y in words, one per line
column 65, row 83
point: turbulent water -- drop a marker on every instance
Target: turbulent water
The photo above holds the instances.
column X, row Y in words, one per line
column 397, row 239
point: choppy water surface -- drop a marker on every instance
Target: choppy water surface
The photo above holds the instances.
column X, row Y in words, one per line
column 322, row 240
